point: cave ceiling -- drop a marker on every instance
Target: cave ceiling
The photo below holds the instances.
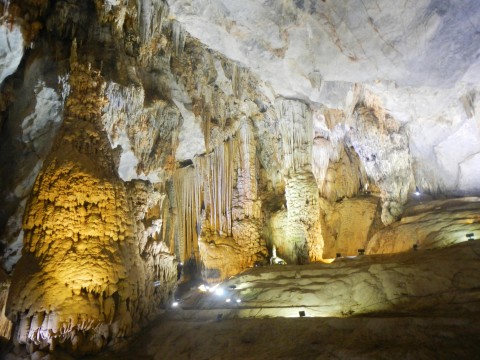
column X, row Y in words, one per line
column 420, row 59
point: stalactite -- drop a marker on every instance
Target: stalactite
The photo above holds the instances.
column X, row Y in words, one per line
column 152, row 15
column 296, row 130
column 236, row 76
column 219, row 173
column 209, row 181
column 184, row 187
column 178, row 38
column 248, row 183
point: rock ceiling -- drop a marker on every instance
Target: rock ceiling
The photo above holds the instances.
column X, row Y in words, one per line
column 420, row 59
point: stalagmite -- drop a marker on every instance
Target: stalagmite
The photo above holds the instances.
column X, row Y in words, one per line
column 79, row 245
column 302, row 240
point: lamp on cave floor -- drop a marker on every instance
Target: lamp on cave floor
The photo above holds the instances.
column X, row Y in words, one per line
column 470, row 236
column 361, row 251
column 415, row 247
column 301, row 313
column 417, row 191
column 339, row 255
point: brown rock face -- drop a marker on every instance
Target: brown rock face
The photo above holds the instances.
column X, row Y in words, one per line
column 348, row 225
column 5, row 324
column 82, row 281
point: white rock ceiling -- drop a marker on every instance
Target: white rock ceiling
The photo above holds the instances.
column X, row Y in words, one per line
column 420, row 58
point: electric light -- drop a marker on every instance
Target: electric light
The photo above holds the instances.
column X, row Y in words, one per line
column 175, row 304
column 239, row 301
column 417, row 191
column 327, row 261
column 219, row 291
column 227, row 300
column 203, row 288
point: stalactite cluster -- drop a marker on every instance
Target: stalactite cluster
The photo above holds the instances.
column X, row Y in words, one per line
column 216, row 203
column 296, row 130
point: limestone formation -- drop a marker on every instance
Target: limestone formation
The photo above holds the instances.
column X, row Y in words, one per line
column 348, row 225
column 434, row 224
column 136, row 136
column 5, row 323
column 439, row 281
column 82, row 280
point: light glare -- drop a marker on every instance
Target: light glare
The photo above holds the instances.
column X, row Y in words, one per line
column 219, row 291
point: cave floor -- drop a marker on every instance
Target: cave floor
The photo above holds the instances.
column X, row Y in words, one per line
column 307, row 338
column 416, row 305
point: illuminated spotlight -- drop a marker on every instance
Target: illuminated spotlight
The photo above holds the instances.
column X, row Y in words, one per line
column 227, row 300
column 301, row 313
column 470, row 236
column 175, row 304
column 327, row 261
column 417, row 191
column 219, row 291
column 203, row 288
column 239, row 301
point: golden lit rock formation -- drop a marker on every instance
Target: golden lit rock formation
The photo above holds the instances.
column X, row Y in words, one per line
column 5, row 323
column 82, row 279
